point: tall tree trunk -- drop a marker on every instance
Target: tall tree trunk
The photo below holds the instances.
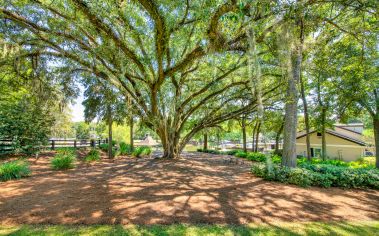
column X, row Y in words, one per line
column 306, row 118
column 244, row 133
column 376, row 135
column 323, row 133
column 205, row 143
column 131, row 125
column 110, row 122
column 277, row 138
column 290, row 119
column 257, row 137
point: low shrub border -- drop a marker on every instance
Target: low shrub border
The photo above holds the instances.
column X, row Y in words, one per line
column 319, row 175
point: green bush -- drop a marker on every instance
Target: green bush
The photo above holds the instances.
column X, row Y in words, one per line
column 241, row 154
column 93, row 155
column 256, row 156
column 14, row 170
column 142, row 151
column 63, row 161
column 125, row 149
column 322, row 175
column 231, row 152
column 104, row 147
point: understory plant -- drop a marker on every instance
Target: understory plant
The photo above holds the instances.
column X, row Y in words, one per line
column 93, row 155
column 14, row 170
column 319, row 175
column 142, row 151
column 125, row 149
column 63, row 160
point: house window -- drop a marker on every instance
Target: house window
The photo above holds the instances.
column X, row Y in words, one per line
column 316, row 152
column 319, row 134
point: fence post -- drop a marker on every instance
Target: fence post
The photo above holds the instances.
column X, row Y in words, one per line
column 92, row 143
column 75, row 143
column 106, row 140
column 99, row 142
column 52, row 144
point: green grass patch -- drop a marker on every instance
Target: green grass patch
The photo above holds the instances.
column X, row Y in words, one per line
column 320, row 228
column 14, row 170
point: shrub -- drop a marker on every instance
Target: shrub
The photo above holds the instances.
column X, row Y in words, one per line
column 125, row 149
column 256, row 156
column 241, row 154
column 63, row 161
column 322, row 175
column 14, row 170
column 93, row 155
column 141, row 151
column 104, row 147
column 231, row 152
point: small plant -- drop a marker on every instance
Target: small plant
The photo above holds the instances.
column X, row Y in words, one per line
column 125, row 149
column 104, row 147
column 93, row 155
column 14, row 170
column 142, row 151
column 63, row 161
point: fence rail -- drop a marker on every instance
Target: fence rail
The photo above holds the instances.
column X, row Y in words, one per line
column 6, row 145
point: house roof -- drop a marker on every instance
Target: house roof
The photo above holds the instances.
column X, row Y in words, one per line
column 339, row 132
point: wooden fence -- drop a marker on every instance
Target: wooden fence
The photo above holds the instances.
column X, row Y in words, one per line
column 7, row 147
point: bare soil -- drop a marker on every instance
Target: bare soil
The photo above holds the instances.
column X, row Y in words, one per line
column 199, row 188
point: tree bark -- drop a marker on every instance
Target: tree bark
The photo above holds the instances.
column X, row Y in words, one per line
column 131, row 125
column 205, row 143
column 257, row 137
column 253, row 141
column 290, row 119
column 110, row 122
column 376, row 135
column 244, row 133
column 306, row 118
column 277, row 138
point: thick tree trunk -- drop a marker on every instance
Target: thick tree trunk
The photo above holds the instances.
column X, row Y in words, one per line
column 277, row 138
column 205, row 143
column 306, row 118
column 290, row 119
column 257, row 137
column 244, row 133
column 131, row 125
column 376, row 135
column 110, row 138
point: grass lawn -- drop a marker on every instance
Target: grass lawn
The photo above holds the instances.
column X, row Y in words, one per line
column 314, row 228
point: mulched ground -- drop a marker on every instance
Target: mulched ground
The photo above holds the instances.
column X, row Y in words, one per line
column 199, row 188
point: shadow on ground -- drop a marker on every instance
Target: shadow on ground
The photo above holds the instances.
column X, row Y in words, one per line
column 197, row 189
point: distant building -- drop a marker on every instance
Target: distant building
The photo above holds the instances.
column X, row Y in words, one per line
column 344, row 142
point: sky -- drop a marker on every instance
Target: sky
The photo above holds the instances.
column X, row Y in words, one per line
column 77, row 109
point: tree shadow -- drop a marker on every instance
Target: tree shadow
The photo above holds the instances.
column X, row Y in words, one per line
column 196, row 190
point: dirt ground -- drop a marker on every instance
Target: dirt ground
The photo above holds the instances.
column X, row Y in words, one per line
column 199, row 188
